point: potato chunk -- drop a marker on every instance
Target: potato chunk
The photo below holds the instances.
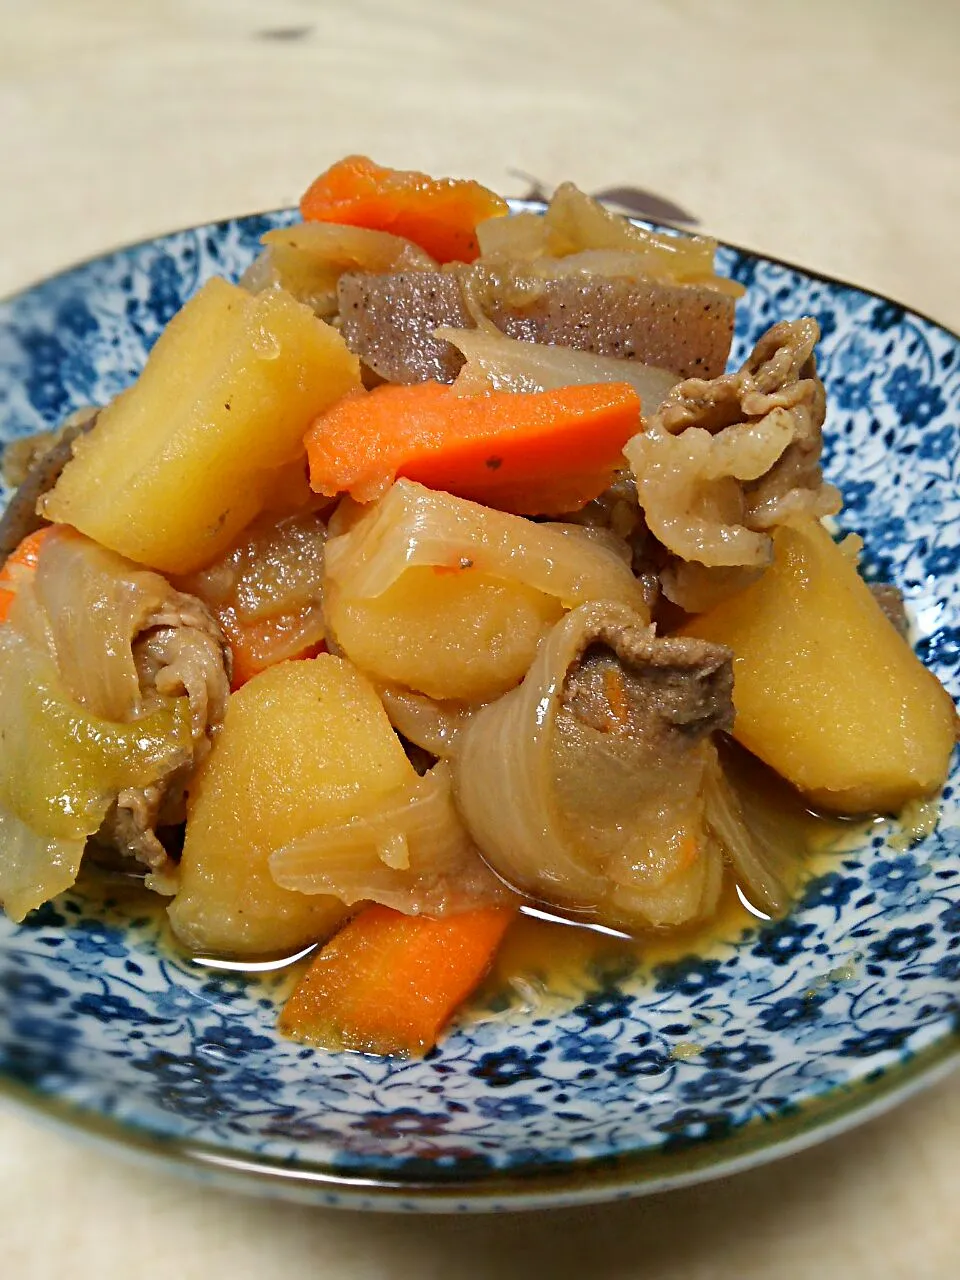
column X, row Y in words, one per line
column 181, row 461
column 448, row 633
column 825, row 689
column 303, row 744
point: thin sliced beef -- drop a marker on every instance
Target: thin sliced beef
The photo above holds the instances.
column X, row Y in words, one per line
column 35, row 464
column 724, row 461
column 179, row 652
column 389, row 320
column 890, row 600
column 584, row 787
column 647, row 688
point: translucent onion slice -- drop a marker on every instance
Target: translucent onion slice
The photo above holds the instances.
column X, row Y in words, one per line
column 498, row 363
column 308, row 260
column 575, row 225
column 92, row 604
column 414, row 525
column 429, row 723
column 606, row 821
column 411, row 853
column 62, row 766
column 765, row 850
column 34, row 868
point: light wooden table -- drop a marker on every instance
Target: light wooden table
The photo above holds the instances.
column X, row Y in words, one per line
column 827, row 133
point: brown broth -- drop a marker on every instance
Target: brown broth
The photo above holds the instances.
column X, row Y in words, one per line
column 548, row 960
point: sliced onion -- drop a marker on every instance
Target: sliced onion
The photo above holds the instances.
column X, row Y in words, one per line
column 498, row 363
column 33, row 868
column 411, row 853
column 414, row 525
column 765, row 861
column 308, row 260
column 433, row 725
column 581, row 818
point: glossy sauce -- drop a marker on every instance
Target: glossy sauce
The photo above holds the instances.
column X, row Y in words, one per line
column 549, row 961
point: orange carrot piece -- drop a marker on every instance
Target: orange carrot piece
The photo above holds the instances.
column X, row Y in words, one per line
column 439, row 214
column 258, row 645
column 533, row 453
column 388, row 983
column 25, row 555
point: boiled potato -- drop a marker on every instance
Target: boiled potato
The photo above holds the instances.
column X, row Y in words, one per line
column 448, row 633
column 303, row 743
column 180, row 462
column 825, row 689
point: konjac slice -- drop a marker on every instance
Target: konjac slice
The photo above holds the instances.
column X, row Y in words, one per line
column 180, row 462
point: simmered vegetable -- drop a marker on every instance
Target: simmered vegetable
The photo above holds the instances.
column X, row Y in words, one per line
column 265, row 592
column 388, row 983
column 825, row 689
column 303, row 743
column 450, row 598
column 178, row 464
column 439, row 214
column 449, row 630
column 532, row 453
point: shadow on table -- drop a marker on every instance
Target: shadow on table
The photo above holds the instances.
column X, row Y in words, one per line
column 735, row 1226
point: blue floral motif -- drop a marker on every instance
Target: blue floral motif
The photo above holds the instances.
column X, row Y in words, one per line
column 917, row 401
column 831, row 890
column 900, row 880
column 96, row 1010
column 939, row 444
column 943, row 561
column 782, row 941
column 690, row 976
column 94, row 938
column 510, row 1066
column 179, row 1070
column 740, row 1057
column 791, row 1012
column 509, row 1108
column 881, row 1040
column 601, row 1007
column 691, row 1125
column 34, row 989
column 853, row 393
column 110, row 1006
column 902, row 944
column 649, row 1062
column 886, row 316
column 711, row 1085
column 402, row 1121
column 233, row 1040
column 583, row 1047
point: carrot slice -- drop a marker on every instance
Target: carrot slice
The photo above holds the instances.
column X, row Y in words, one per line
column 439, row 214
column 261, row 644
column 388, row 983
column 23, row 556
column 533, row 453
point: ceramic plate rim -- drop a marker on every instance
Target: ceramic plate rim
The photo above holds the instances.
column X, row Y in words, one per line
column 584, row 1181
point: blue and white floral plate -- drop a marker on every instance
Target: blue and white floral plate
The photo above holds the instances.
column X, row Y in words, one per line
column 692, row 1068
